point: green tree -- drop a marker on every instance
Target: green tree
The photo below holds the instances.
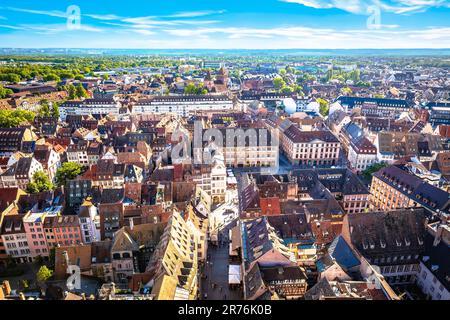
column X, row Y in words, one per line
column 39, row 183
column 10, row 77
column 44, row 274
column 71, row 91
column 11, row 119
column 278, row 83
column 80, row 91
column 324, row 107
column 52, row 77
column 346, row 91
column 68, row 171
column 55, row 110
column 5, row 92
column 367, row 174
column 44, row 110
column 191, row 88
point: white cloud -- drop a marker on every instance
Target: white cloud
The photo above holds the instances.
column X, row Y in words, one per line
column 52, row 13
column 389, row 36
column 362, row 6
column 193, row 14
column 106, row 17
column 11, row 27
column 144, row 32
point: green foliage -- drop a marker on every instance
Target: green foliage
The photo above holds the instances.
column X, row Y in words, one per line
column 278, row 83
column 10, row 77
column 68, row 171
column 80, row 91
column 11, row 119
column 55, row 110
column 39, row 183
column 75, row 92
column 44, row 274
column 342, row 76
column 52, row 77
column 5, row 92
column 71, row 91
column 193, row 89
column 367, row 174
column 346, row 91
column 25, row 284
column 363, row 84
column 324, row 107
column 48, row 111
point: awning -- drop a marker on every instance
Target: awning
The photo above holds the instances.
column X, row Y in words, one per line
column 234, row 274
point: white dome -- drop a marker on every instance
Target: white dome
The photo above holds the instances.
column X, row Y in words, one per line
column 313, row 106
column 335, row 107
column 290, row 106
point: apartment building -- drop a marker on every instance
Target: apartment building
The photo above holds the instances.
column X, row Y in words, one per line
column 183, row 105
column 393, row 241
column 242, row 148
column 15, row 239
column 174, row 262
column 62, row 231
column 393, row 187
column 20, row 173
column 36, row 235
column 99, row 106
column 310, row 148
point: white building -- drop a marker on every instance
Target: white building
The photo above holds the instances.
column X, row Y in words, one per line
column 361, row 154
column 430, row 284
column 433, row 273
column 20, row 173
column 183, row 105
column 89, row 220
column 89, row 107
column 218, row 180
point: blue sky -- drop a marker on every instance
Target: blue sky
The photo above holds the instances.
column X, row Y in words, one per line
column 223, row 24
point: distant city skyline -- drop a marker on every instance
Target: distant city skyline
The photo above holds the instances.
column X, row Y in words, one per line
column 266, row 24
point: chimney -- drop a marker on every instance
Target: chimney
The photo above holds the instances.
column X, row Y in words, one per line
column 66, row 257
column 6, row 287
column 131, row 223
column 438, row 235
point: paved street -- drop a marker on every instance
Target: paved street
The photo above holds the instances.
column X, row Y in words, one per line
column 217, row 272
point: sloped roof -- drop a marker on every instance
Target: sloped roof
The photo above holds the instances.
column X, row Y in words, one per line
column 342, row 253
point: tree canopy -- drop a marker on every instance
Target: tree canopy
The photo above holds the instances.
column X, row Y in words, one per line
column 40, row 182
column 14, row 118
column 44, row 273
column 193, row 89
column 367, row 174
column 324, row 107
column 5, row 92
column 68, row 171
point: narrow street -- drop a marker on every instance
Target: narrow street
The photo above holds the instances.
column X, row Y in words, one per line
column 215, row 285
